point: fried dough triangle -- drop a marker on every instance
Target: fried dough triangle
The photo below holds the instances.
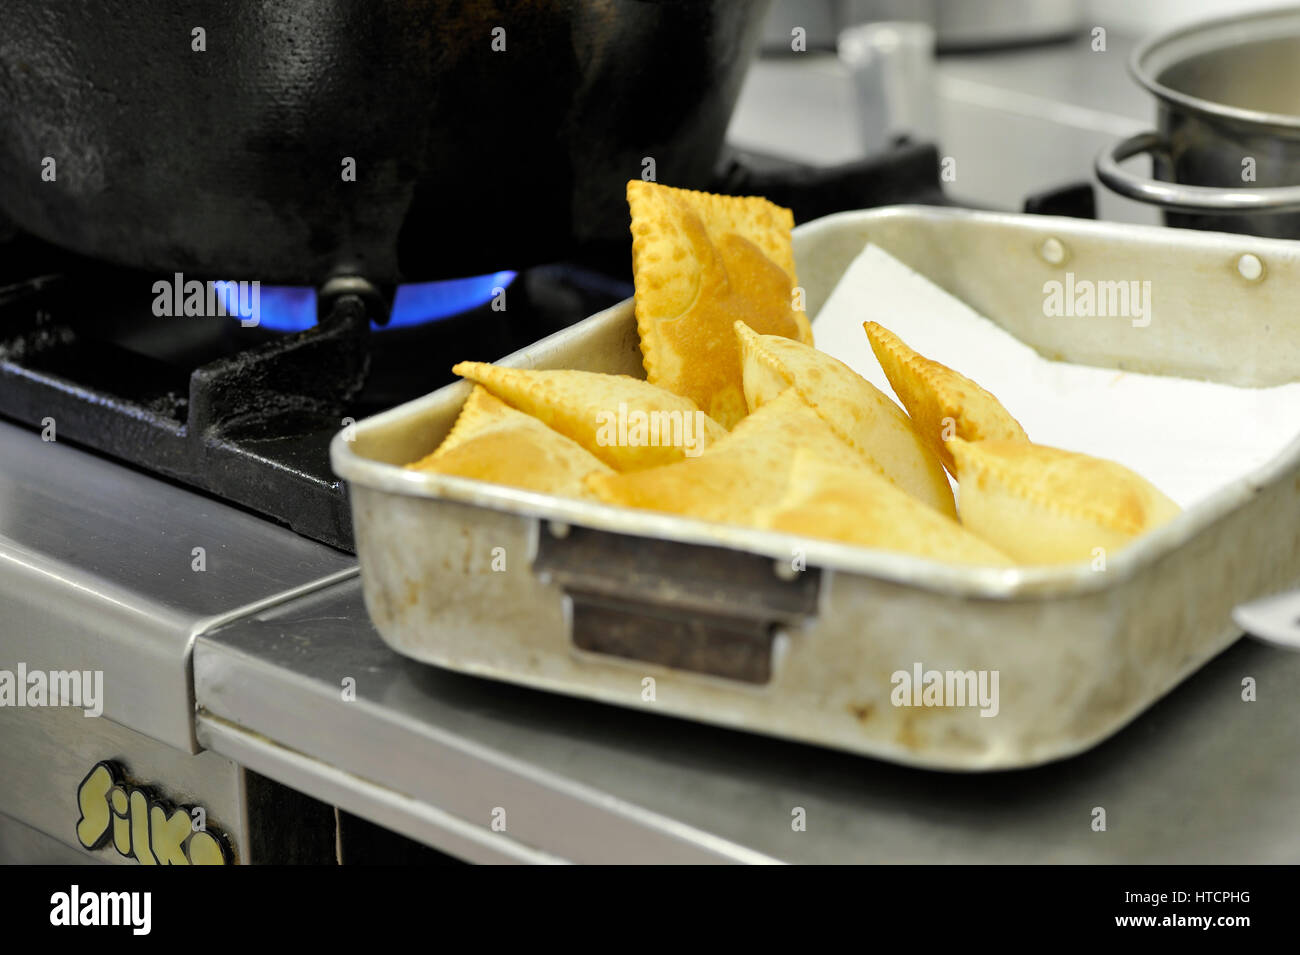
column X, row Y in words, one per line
column 491, row 441
column 1043, row 505
column 743, row 472
column 855, row 409
column 941, row 402
column 700, row 262
column 628, row 423
column 859, row 507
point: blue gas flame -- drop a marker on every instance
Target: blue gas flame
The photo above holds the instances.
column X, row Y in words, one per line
column 292, row 308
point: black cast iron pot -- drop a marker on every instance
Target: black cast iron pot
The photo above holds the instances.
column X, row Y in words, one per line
column 485, row 135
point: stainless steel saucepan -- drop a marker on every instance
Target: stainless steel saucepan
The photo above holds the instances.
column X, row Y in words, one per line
column 1226, row 150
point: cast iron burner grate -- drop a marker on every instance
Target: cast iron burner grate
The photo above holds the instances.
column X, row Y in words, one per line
column 243, row 413
column 247, row 414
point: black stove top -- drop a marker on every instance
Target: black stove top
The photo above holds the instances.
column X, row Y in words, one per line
column 246, row 412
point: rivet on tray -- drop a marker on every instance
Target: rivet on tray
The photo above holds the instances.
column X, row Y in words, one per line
column 785, row 570
column 1052, row 251
column 558, row 529
column 1250, row 267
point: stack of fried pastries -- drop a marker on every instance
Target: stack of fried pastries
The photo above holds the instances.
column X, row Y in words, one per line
column 741, row 420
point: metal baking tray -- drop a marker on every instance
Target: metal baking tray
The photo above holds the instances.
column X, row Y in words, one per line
column 710, row 622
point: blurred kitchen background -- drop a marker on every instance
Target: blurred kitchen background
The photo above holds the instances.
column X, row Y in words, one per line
column 1018, row 95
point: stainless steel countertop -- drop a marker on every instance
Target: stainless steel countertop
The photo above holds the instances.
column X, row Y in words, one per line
column 96, row 574
column 1015, row 122
column 1202, row 777
column 276, row 624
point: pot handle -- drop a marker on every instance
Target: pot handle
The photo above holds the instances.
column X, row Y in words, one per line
column 1182, row 198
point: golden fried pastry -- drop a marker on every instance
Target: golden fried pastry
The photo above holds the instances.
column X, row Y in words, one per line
column 859, row 507
column 1043, row 505
column 942, row 403
column 628, row 423
column 743, row 472
column 700, row 262
column 491, row 441
column 855, row 409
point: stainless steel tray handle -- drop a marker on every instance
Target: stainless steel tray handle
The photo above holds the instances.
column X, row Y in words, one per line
column 1274, row 619
column 1183, row 198
column 706, row 609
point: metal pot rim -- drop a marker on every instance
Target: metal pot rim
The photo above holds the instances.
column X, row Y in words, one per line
column 1206, row 36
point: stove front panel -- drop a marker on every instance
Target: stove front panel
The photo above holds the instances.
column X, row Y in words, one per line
column 108, row 570
column 74, row 778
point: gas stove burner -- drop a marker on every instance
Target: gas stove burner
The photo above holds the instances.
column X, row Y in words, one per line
column 293, row 308
column 245, row 410
column 431, row 301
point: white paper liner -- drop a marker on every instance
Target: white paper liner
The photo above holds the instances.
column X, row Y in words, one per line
column 1189, row 438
